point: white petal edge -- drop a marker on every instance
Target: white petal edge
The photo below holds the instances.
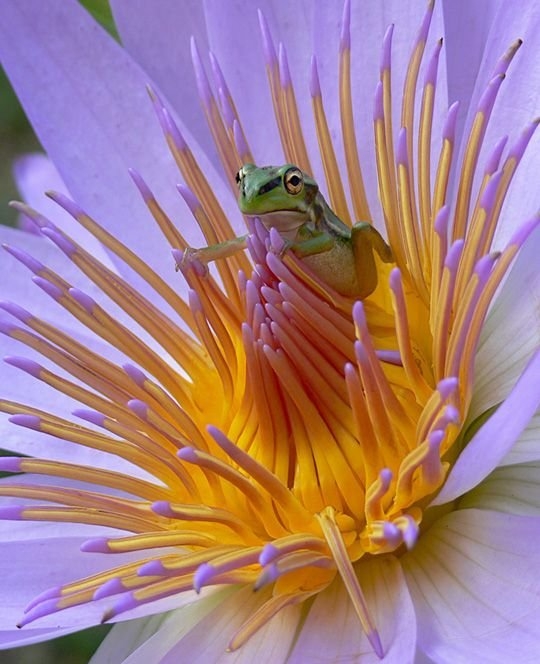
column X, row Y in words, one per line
column 509, row 489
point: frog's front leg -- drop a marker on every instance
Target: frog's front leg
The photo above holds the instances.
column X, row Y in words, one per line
column 215, row 251
column 365, row 241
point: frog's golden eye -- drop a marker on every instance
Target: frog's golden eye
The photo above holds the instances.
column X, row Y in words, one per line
column 293, row 181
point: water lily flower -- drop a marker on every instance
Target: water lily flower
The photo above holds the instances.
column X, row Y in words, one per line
column 236, row 461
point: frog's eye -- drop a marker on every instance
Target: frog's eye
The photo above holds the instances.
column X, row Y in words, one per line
column 293, row 180
column 238, row 176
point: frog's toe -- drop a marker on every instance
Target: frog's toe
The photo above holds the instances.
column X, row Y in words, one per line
column 190, row 258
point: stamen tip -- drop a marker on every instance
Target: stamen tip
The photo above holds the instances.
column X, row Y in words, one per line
column 314, row 82
column 24, row 364
column 110, row 587
column 27, row 421
column 345, row 36
column 95, row 545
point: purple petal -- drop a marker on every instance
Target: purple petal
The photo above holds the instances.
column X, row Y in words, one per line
column 88, row 103
column 466, row 29
column 332, row 631
column 496, row 437
column 474, row 579
column 157, row 36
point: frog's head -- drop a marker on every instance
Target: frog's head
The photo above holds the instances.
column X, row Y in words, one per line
column 267, row 190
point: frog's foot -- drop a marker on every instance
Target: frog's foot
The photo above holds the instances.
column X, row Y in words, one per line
column 190, row 258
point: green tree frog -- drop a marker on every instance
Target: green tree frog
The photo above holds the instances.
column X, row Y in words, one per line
column 289, row 200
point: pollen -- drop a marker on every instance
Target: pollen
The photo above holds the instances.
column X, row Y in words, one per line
column 281, row 433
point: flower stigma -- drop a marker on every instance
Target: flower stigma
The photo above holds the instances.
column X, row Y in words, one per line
column 286, row 432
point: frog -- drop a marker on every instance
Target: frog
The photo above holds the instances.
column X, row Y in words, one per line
column 289, row 200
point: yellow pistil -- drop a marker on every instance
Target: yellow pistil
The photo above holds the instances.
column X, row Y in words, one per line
column 285, row 432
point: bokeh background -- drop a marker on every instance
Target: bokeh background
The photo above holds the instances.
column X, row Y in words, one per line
column 17, row 138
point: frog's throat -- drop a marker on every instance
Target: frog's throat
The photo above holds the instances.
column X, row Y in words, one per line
column 286, row 222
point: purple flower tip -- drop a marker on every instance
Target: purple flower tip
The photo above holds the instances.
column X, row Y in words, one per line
column 16, row 311
column 10, row 464
column 488, row 98
column 517, row 150
column 390, row 357
column 140, row 408
column 345, row 36
column 492, row 164
column 163, row 508
column 490, row 192
column 86, row 302
column 202, row 576
column 449, row 129
column 385, row 476
column 125, row 603
column 110, row 587
column 268, row 44
column 40, row 610
column 178, row 256
column 69, row 206
column 435, row 438
column 92, row 416
column 42, row 597
column 11, row 512
column 284, row 72
column 7, row 327
column 441, row 220
column 28, row 261
column 48, row 287
column 454, row 254
column 402, row 157
column 314, row 83
column 172, row 129
column 395, row 279
column 152, row 568
column 447, row 386
column 189, row 197
column 187, row 454
column 378, row 106
column 268, row 554
column 60, row 240
column 141, row 185
column 136, row 375
column 386, row 57
column 23, row 363
column 431, row 72
column 194, row 301
column 96, row 545
column 27, row 421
